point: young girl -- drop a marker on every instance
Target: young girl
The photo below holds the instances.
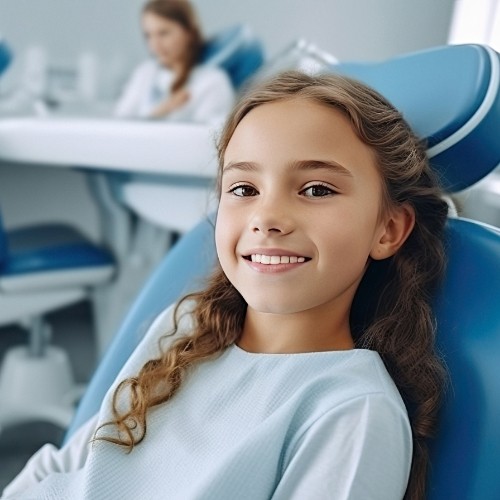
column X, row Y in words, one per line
column 172, row 86
column 306, row 368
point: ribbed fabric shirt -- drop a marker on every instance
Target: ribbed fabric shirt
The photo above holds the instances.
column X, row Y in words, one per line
column 246, row 426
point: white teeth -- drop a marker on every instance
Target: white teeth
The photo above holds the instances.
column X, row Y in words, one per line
column 276, row 259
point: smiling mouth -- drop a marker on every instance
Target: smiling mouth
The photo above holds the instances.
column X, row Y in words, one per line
column 276, row 259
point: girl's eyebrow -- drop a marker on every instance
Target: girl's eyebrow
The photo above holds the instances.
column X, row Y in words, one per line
column 321, row 165
column 245, row 166
column 296, row 165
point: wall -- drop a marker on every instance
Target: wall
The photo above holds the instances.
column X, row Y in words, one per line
column 350, row 29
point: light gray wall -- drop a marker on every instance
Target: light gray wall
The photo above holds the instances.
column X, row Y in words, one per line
column 349, row 29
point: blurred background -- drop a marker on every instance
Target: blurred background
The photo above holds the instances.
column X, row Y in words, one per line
column 74, row 59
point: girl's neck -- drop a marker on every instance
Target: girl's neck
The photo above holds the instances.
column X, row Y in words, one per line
column 306, row 331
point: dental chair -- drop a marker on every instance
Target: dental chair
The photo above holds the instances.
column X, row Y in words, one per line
column 450, row 95
column 42, row 268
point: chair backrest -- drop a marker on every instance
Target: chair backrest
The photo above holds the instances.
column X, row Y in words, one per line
column 237, row 50
column 466, row 454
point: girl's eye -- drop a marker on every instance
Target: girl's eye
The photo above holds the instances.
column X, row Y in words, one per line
column 317, row 191
column 243, row 190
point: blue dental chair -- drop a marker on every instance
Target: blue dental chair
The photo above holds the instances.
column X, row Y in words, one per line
column 42, row 268
column 451, row 97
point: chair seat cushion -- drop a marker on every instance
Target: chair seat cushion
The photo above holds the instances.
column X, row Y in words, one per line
column 57, row 251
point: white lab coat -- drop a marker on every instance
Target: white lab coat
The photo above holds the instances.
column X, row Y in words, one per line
column 211, row 94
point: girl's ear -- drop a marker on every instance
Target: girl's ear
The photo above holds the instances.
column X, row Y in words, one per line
column 396, row 229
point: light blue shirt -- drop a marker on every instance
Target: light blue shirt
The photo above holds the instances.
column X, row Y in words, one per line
column 325, row 425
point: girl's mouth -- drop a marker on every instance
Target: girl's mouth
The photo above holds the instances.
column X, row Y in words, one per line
column 276, row 259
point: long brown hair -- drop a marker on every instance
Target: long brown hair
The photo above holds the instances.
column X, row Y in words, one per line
column 397, row 322
column 183, row 13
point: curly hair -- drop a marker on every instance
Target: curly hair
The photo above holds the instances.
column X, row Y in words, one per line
column 391, row 312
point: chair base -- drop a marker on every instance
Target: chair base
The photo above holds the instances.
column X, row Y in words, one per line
column 37, row 388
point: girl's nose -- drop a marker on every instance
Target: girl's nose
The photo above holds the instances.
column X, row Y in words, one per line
column 272, row 218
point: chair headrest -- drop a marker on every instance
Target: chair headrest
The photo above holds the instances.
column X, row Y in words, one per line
column 450, row 96
column 237, row 50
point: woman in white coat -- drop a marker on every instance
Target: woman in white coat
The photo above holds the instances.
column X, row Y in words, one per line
column 172, row 85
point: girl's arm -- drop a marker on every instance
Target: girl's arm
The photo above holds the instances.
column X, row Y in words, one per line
column 361, row 450
column 49, row 460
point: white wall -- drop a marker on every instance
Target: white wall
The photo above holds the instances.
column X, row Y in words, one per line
column 350, row 29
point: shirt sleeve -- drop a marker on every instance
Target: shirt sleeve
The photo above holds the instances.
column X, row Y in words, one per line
column 49, row 460
column 362, row 449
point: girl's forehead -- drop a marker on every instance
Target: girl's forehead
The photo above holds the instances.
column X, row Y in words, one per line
column 293, row 118
column 296, row 129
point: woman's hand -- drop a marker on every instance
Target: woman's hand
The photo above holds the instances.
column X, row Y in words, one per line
column 175, row 101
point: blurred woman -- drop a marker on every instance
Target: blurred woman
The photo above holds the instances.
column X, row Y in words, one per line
column 172, row 85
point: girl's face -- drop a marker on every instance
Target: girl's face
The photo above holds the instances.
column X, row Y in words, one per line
column 167, row 40
column 300, row 209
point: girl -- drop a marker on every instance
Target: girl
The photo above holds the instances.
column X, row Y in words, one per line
column 173, row 86
column 306, row 369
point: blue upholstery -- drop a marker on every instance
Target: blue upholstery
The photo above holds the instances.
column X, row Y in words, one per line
column 237, row 50
column 465, row 456
column 49, row 247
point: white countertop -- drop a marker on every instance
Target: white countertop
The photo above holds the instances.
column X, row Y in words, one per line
column 111, row 144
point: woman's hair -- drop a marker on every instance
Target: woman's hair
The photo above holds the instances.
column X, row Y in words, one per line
column 391, row 313
column 183, row 13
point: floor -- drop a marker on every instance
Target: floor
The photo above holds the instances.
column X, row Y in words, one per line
column 72, row 330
